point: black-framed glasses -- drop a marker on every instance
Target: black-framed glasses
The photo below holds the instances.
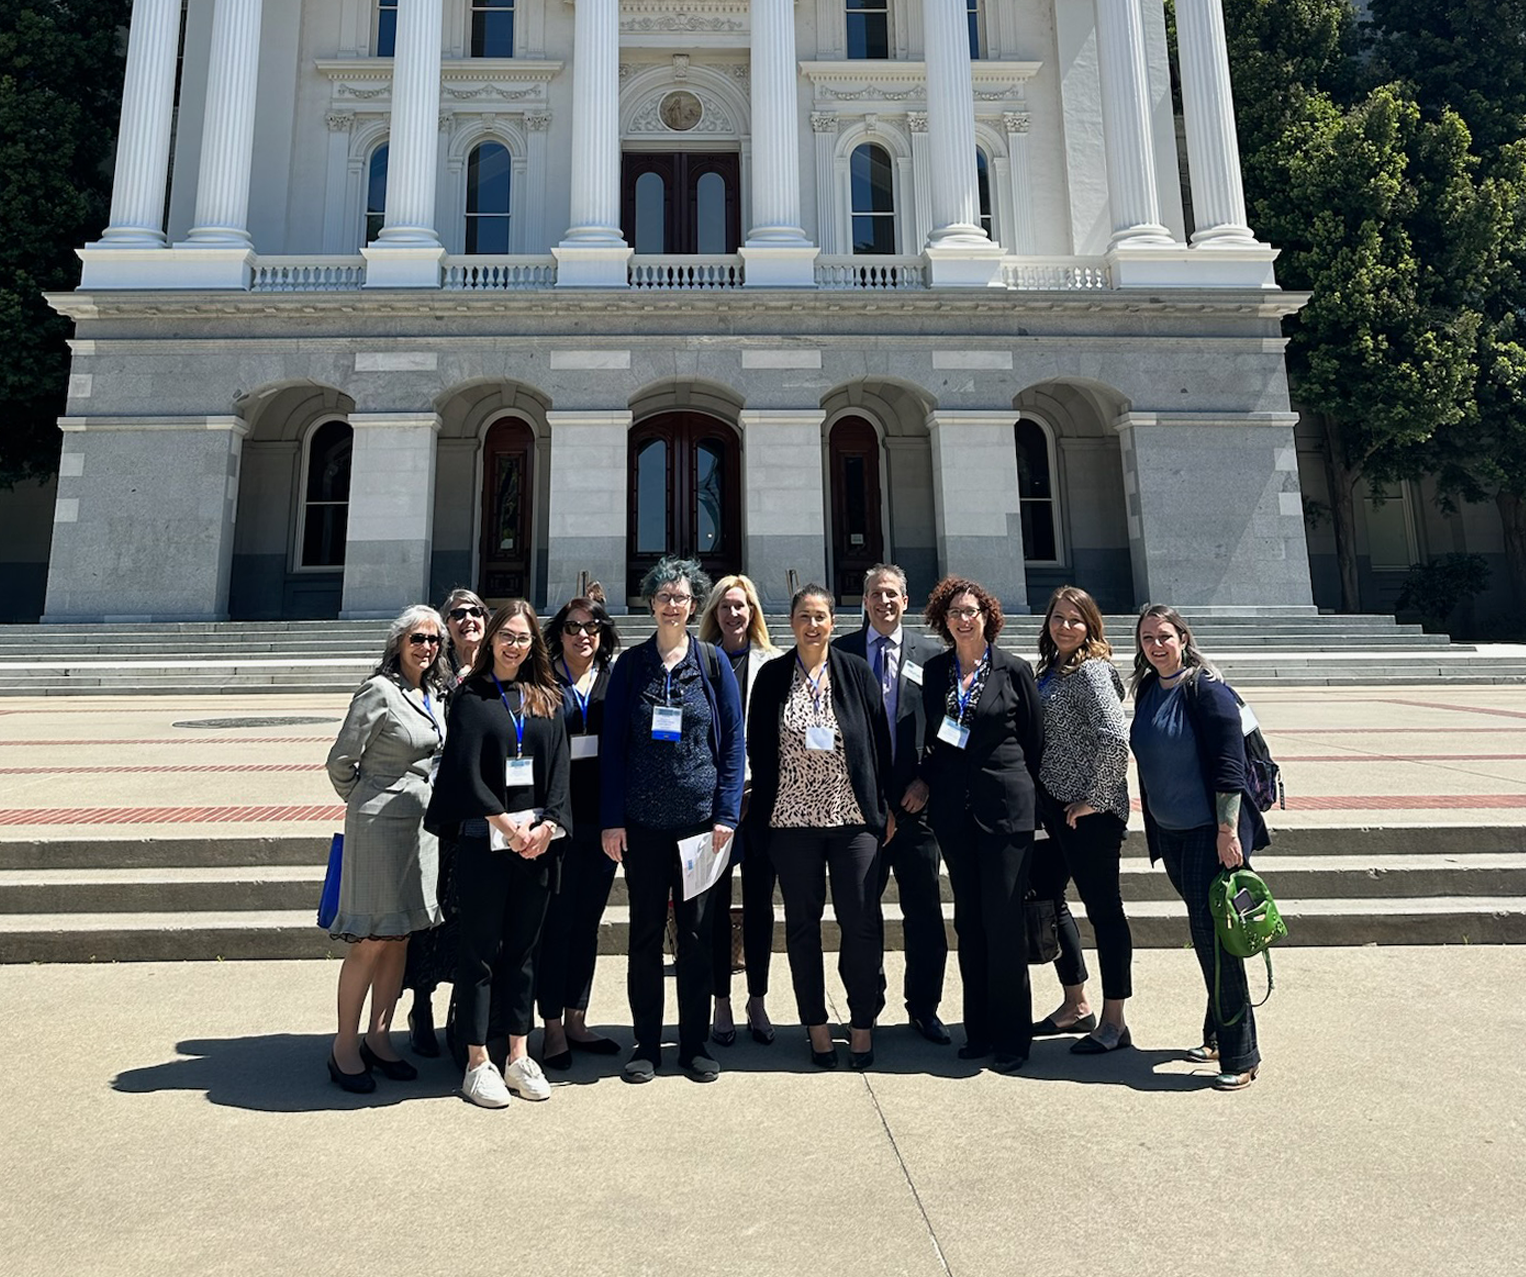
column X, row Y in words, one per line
column 590, row 628
column 673, row 600
column 461, row 613
column 418, row 640
column 964, row 613
column 510, row 639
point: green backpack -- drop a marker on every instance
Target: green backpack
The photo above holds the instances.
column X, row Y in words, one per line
column 1247, row 922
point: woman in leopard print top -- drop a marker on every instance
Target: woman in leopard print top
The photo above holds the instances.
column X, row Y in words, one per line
column 1084, row 797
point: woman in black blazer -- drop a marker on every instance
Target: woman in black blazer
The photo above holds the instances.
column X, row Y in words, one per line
column 984, row 740
column 820, row 751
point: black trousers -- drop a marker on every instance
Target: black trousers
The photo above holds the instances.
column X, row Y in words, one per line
column 502, row 900
column 652, row 875
column 1089, row 855
column 989, row 875
column 849, row 856
column 758, row 879
column 569, row 940
column 912, row 855
column 1192, row 863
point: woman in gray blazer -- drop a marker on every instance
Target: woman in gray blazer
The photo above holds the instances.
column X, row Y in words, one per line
column 382, row 765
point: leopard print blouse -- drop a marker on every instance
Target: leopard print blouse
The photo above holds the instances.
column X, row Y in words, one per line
column 815, row 791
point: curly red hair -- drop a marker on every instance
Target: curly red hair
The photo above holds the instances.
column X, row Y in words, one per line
column 942, row 598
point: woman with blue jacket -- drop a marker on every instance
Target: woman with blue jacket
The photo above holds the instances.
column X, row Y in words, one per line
column 672, row 755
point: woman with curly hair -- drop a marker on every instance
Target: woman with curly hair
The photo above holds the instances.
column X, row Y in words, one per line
column 978, row 776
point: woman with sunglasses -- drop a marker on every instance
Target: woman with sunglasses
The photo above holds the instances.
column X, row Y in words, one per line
column 503, row 789
column 434, row 955
column 381, row 764
column 586, row 642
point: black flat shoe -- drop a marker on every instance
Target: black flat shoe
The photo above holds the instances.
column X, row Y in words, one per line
column 1047, row 1028
column 825, row 1059
column 1101, row 1041
column 595, row 1046
column 1009, row 1063
column 700, row 1068
column 932, row 1028
column 562, row 1060
column 861, row 1060
column 354, row 1083
column 723, row 1037
column 421, row 1038
column 974, row 1050
column 392, row 1070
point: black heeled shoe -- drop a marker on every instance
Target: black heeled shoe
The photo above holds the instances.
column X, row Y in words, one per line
column 824, row 1059
column 421, row 1037
column 861, row 1060
column 354, row 1083
column 724, row 1037
column 392, row 1070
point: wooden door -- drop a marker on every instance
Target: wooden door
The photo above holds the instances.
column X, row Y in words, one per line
column 676, row 202
column 858, row 541
column 685, row 494
column 504, row 560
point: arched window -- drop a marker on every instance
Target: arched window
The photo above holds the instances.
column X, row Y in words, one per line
column 376, row 193
column 983, row 186
column 1035, row 490
column 873, row 200
column 386, row 28
column 868, row 28
column 487, row 199
column 326, row 498
column 492, row 28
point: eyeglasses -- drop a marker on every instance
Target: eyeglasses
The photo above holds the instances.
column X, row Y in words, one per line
column 461, row 613
column 964, row 613
column 673, row 600
column 418, row 640
column 590, row 628
column 515, row 640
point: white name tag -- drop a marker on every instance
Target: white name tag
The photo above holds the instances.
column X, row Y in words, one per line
column 667, row 722
column 951, row 733
column 519, row 772
column 913, row 672
column 1248, row 722
column 585, row 746
column 820, row 738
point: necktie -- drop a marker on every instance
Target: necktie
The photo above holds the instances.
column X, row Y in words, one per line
column 885, row 666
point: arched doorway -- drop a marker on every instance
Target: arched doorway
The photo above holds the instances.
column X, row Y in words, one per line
column 685, row 494
column 858, row 541
column 507, row 484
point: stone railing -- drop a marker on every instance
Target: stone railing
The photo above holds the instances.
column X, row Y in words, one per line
column 309, row 274
column 888, row 273
column 491, row 274
column 1061, row 274
column 663, row 271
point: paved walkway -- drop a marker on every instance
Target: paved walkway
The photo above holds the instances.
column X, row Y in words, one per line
column 176, row 766
column 175, row 1119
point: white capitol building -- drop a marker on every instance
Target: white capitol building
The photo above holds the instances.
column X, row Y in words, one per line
column 407, row 294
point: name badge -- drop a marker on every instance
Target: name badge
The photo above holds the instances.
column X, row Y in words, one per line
column 585, row 746
column 951, row 733
column 913, row 672
column 519, row 772
column 667, row 722
column 820, row 738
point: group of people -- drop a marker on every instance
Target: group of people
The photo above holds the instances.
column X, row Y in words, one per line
column 496, row 771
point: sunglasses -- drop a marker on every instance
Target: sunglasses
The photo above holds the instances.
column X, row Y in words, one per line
column 418, row 640
column 461, row 613
column 590, row 628
column 513, row 640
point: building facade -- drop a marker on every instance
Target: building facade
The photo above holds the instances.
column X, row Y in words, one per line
column 404, row 294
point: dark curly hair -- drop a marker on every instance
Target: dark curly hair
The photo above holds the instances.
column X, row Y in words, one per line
column 943, row 595
column 609, row 636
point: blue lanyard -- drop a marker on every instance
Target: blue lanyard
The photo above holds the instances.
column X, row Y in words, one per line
column 964, row 697
column 815, row 683
column 432, row 718
column 578, row 696
column 519, row 721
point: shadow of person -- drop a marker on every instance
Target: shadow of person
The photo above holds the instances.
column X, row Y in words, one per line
column 1136, row 1068
column 277, row 1073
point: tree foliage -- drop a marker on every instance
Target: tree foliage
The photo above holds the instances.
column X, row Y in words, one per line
column 60, row 86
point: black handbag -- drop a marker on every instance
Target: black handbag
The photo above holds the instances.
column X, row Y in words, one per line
column 1043, row 927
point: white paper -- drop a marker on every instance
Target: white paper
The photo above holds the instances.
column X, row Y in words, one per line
column 701, row 866
column 499, row 841
column 1248, row 722
column 585, row 746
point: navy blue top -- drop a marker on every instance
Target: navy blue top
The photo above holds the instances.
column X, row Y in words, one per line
column 1166, row 750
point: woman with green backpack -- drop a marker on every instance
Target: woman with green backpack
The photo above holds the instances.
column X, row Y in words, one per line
column 1189, row 746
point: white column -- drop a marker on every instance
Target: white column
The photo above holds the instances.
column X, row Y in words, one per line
column 1213, row 151
column 143, row 149
column 1024, row 239
column 227, row 135
column 587, row 495
column 1132, row 190
column 959, row 252
column 534, row 239
column 921, row 177
column 777, row 253
column 976, row 509
column 593, row 253
column 824, row 130
column 785, row 500
column 408, row 251
column 389, row 536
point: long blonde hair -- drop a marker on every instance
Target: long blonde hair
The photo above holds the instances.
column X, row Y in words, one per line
column 757, row 628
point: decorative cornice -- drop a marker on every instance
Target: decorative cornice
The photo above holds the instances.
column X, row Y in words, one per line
column 886, row 85
column 1015, row 121
column 719, row 17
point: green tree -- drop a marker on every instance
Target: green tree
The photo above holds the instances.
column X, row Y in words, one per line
column 60, row 85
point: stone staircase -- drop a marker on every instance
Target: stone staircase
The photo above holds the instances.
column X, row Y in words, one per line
column 291, row 657
column 226, row 897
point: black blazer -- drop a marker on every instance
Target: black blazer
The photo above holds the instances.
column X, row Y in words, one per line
column 910, row 720
column 995, row 776
column 860, row 718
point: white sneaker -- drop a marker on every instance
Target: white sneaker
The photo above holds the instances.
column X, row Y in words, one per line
column 484, row 1086
column 525, row 1079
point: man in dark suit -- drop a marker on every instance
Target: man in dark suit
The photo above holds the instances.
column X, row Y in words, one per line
column 896, row 657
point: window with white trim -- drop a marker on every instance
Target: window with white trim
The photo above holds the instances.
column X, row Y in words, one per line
column 872, row 187
column 376, row 193
column 972, row 18
column 983, row 188
column 326, row 496
column 386, row 28
column 1035, row 490
column 488, row 171
column 492, row 28
column 868, row 28
column 1392, row 545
